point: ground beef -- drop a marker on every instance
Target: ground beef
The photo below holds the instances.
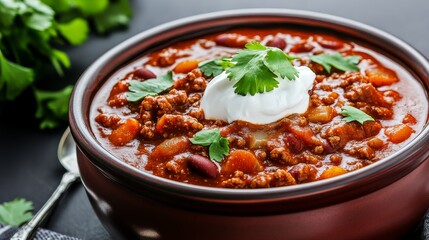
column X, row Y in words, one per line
column 170, row 125
column 108, row 120
column 192, row 82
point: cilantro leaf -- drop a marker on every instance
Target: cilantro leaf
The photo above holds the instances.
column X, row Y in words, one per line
column 344, row 63
column 216, row 66
column 218, row 145
column 8, row 12
column 257, row 67
column 91, row 7
column 60, row 6
column 40, row 7
column 37, row 21
column 116, row 15
column 354, row 114
column 59, row 59
column 276, row 60
column 52, row 105
column 75, row 31
column 218, row 149
column 14, row 78
column 16, row 212
column 29, row 32
column 151, row 87
column 255, row 45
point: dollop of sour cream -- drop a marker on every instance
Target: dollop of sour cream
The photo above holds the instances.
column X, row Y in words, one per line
column 220, row 102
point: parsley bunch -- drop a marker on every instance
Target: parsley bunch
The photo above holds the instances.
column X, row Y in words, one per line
column 29, row 32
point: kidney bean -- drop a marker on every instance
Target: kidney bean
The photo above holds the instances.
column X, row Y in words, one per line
column 277, row 42
column 295, row 144
column 327, row 148
column 330, row 43
column 203, row 166
column 144, row 73
column 231, row 40
column 301, row 47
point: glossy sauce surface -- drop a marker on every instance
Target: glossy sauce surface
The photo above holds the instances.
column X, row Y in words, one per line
column 153, row 134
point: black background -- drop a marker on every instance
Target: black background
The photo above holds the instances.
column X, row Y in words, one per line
column 28, row 162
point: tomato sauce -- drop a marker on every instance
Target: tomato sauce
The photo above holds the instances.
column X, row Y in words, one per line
column 153, row 135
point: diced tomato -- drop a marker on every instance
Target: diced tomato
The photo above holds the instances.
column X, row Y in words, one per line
column 409, row 119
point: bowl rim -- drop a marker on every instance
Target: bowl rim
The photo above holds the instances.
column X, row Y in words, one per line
column 88, row 144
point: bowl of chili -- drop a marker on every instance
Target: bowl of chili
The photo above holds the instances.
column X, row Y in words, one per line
column 164, row 153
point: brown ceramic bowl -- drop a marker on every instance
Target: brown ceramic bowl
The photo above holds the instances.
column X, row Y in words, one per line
column 381, row 201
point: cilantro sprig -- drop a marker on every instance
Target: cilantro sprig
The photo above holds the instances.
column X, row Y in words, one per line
column 30, row 32
column 218, row 145
column 216, row 66
column 16, row 212
column 344, row 63
column 353, row 114
column 52, row 106
column 257, row 67
column 138, row 90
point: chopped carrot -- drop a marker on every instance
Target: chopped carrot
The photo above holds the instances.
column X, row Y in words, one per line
column 380, row 76
column 242, row 160
column 332, row 172
column 398, row 133
column 125, row 132
column 160, row 124
column 186, row 66
column 170, row 147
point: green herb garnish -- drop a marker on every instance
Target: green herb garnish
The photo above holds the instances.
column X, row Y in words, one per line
column 31, row 31
column 16, row 212
column 344, row 63
column 218, row 145
column 354, row 114
column 216, row 66
column 52, row 105
column 257, row 67
column 151, row 87
column 14, row 78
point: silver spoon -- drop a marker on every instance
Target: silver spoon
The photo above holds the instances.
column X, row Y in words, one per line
column 67, row 156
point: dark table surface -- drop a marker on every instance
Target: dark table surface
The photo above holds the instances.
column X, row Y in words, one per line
column 28, row 162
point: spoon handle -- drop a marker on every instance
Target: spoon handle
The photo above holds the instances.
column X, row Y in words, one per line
column 28, row 230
